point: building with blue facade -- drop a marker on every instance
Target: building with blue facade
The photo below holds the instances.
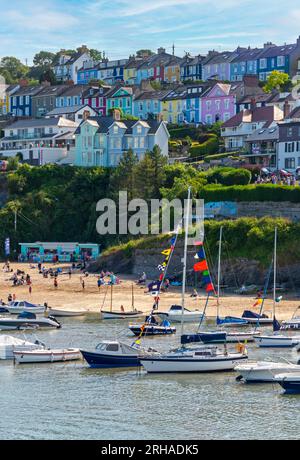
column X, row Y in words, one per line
column 149, row 104
column 71, row 97
column 191, row 68
column 284, row 58
column 21, row 100
column 102, row 141
column 246, row 63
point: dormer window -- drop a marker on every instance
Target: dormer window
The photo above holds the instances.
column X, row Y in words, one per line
column 116, row 129
column 139, row 129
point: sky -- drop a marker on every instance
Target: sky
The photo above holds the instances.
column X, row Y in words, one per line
column 120, row 27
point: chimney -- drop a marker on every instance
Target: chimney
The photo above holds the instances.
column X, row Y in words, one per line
column 286, row 109
column 46, row 83
column 161, row 50
column 145, row 85
column 86, row 115
column 116, row 115
column 23, row 82
column 268, row 45
column 253, row 104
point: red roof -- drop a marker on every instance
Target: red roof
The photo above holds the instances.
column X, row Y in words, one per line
column 259, row 114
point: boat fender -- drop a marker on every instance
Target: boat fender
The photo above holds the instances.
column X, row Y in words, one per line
column 240, row 348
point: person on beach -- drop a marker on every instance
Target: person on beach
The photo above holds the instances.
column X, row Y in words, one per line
column 55, row 283
column 99, row 283
column 30, row 289
column 83, row 285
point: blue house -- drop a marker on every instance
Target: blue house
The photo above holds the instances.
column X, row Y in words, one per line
column 149, row 104
column 21, row 100
column 191, row 68
column 281, row 58
column 246, row 63
column 85, row 75
column 112, row 71
column 71, row 97
column 102, row 141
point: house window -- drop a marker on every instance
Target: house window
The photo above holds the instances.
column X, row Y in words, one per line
column 289, row 147
column 263, row 63
column 142, row 142
column 226, row 103
column 116, row 129
column 208, row 119
column 217, row 105
column 136, row 142
column 139, row 129
column 289, row 132
column 280, row 61
column 208, row 105
column 290, row 163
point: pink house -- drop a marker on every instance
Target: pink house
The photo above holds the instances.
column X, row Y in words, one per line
column 217, row 103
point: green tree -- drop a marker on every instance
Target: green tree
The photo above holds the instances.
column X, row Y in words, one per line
column 44, row 59
column 14, row 67
column 48, row 75
column 96, row 55
column 150, row 174
column 279, row 81
column 141, row 53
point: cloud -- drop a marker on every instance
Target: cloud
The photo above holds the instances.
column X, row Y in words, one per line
column 40, row 19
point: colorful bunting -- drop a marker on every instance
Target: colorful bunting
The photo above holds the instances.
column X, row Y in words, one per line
column 202, row 266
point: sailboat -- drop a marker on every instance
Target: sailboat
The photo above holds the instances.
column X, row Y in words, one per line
column 196, row 359
column 120, row 314
column 276, row 340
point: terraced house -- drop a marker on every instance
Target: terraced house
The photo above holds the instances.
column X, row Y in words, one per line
column 96, row 98
column 154, row 67
column 21, row 100
column 45, row 100
column 246, row 63
column 218, row 65
column 172, row 70
column 68, row 66
column 284, row 58
column 149, row 104
column 191, row 68
column 101, row 141
column 120, row 97
column 174, row 105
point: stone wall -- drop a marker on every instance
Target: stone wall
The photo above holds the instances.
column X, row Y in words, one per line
column 259, row 209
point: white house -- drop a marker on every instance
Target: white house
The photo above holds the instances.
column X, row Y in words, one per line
column 68, row 66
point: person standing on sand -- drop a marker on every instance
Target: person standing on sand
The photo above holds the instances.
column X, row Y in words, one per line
column 30, row 289
column 55, row 283
column 99, row 283
column 83, row 285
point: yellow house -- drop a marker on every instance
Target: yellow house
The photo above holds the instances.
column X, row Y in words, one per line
column 174, row 106
column 172, row 70
column 5, row 92
column 130, row 70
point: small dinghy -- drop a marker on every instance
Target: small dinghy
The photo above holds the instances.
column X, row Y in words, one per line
column 119, row 314
column 108, row 355
column 174, row 315
column 66, row 313
column 28, row 321
column 264, row 371
column 8, row 345
column 290, row 382
column 17, row 307
column 152, row 327
column 47, row 356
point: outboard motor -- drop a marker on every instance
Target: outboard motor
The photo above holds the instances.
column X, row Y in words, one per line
column 55, row 321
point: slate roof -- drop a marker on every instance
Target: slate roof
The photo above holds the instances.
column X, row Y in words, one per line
column 265, row 134
column 274, row 50
column 259, row 114
column 104, row 123
column 52, row 90
column 68, row 110
column 146, row 95
column 29, row 90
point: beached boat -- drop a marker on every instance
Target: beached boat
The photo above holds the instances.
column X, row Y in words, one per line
column 290, row 382
column 113, row 354
column 120, row 314
column 263, row 371
column 152, row 327
column 65, row 313
column 176, row 315
column 28, row 321
column 8, row 345
column 17, row 307
column 47, row 356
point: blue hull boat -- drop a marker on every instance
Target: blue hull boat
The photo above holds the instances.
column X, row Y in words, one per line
column 204, row 337
column 289, row 382
column 110, row 355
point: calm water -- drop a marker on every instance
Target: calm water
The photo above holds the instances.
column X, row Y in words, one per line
column 71, row 401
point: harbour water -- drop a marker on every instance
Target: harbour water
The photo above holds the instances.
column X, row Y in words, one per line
column 71, row 401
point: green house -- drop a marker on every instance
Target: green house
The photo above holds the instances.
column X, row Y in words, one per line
column 120, row 98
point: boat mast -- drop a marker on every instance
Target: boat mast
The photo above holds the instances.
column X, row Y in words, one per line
column 111, row 298
column 219, row 266
column 275, row 272
column 186, row 229
column 132, row 297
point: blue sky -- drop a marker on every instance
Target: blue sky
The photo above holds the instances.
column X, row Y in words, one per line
column 120, row 27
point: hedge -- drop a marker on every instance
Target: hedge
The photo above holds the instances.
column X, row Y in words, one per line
column 229, row 176
column 211, row 146
column 263, row 192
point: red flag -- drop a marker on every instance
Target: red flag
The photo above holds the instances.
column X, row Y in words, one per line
column 201, row 266
column 210, row 288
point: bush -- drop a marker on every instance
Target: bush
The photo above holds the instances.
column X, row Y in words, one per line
column 263, row 192
column 229, row 176
column 211, row 146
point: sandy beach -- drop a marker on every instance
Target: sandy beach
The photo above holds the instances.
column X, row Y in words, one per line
column 70, row 295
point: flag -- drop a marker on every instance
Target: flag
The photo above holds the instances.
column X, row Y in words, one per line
column 210, row 288
column 167, row 252
column 201, row 266
column 258, row 303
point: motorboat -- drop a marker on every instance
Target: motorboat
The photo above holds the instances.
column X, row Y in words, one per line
column 8, row 345
column 290, row 382
column 277, row 341
column 28, row 321
column 151, row 327
column 198, row 359
column 177, row 315
column 109, row 354
column 66, row 313
column 17, row 307
column 293, row 323
column 264, row 371
column 232, row 321
column 47, row 355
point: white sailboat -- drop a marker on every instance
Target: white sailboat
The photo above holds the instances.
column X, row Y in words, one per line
column 276, row 340
column 193, row 359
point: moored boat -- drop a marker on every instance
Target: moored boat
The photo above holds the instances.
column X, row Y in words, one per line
column 276, row 341
column 289, row 382
column 57, row 313
column 293, row 323
column 8, row 345
column 152, row 327
column 17, row 307
column 120, row 314
column 263, row 371
column 176, row 315
column 28, row 321
column 47, row 356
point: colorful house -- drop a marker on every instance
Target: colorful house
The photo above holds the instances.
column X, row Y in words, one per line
column 120, row 97
column 149, row 104
column 102, row 141
column 65, row 252
column 172, row 70
column 96, row 98
column 281, row 58
column 154, row 67
column 111, row 72
column 87, row 73
column 21, row 100
column 130, row 70
column 246, row 63
column 174, row 105
column 191, row 68
column 71, row 97
column 217, row 65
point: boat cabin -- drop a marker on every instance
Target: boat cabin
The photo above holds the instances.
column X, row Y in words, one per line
column 115, row 348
